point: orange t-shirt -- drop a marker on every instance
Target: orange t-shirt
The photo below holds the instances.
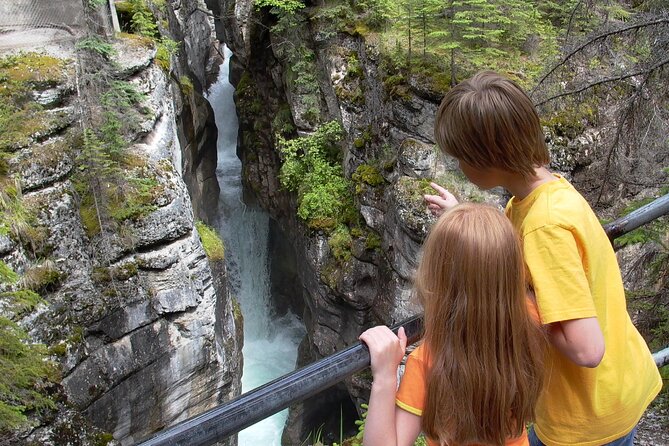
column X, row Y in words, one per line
column 411, row 394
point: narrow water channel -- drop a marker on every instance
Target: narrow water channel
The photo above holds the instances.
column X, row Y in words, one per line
column 270, row 344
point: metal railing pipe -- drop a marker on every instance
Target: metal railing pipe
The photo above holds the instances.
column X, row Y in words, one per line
column 662, row 357
column 258, row 404
column 639, row 217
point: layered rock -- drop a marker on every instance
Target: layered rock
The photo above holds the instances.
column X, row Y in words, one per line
column 147, row 334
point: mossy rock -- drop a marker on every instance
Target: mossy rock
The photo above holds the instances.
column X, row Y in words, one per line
column 410, row 206
column 35, row 70
column 366, row 174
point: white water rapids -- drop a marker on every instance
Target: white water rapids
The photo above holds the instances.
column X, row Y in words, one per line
column 270, row 345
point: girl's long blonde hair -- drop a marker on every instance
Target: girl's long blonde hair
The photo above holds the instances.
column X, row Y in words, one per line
column 485, row 350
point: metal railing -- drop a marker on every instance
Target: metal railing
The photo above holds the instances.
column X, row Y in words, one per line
column 249, row 408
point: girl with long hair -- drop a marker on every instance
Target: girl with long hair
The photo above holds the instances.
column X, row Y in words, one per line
column 478, row 372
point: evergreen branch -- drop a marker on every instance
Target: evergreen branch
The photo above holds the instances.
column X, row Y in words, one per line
column 605, row 81
column 594, row 39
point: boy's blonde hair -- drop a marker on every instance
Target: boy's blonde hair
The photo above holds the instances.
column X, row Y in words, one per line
column 488, row 121
column 484, row 348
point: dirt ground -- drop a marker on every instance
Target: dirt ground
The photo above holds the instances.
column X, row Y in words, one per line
column 654, row 425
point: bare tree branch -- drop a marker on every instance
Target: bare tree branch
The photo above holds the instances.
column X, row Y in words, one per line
column 604, row 35
column 629, row 110
column 621, row 77
column 571, row 18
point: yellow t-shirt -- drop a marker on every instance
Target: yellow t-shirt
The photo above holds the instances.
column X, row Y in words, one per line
column 575, row 274
column 411, row 394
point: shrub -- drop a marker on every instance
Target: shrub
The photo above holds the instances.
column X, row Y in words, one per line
column 312, row 169
column 96, row 44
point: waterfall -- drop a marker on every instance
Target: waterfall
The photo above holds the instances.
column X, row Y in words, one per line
column 270, row 345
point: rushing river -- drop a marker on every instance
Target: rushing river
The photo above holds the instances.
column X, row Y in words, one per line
column 270, row 345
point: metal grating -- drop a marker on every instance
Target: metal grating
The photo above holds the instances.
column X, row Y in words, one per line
column 27, row 14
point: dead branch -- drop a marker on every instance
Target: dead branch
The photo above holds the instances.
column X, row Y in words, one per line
column 594, row 39
column 571, row 18
column 621, row 77
column 629, row 110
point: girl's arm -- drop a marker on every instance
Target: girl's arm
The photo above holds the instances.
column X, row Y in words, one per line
column 386, row 424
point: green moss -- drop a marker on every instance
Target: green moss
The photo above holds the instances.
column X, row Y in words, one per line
column 164, row 52
column 571, row 121
column 237, row 310
column 366, row 174
column 7, row 275
column 102, row 439
column 32, row 70
column 211, row 242
column 20, row 301
column 121, row 272
column 282, row 123
column 397, row 87
column 18, row 220
column 19, row 126
column 59, row 349
column 340, row 243
column 186, row 85
column 373, row 241
column 247, row 98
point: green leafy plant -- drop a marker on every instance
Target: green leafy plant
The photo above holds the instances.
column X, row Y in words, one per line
column 166, row 49
column 311, row 168
column 340, row 243
column 96, row 3
column 280, row 6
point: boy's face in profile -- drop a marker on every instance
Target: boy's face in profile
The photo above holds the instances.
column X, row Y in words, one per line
column 483, row 178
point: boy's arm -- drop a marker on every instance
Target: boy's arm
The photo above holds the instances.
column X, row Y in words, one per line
column 437, row 204
column 565, row 302
column 580, row 340
column 383, row 417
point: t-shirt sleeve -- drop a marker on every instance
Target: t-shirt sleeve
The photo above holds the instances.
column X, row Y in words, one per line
column 560, row 284
column 411, row 394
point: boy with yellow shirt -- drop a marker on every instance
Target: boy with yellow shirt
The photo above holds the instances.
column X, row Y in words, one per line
column 600, row 374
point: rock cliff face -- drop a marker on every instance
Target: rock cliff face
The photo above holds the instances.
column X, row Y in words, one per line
column 142, row 320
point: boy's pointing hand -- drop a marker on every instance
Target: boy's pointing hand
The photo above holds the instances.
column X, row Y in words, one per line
column 437, row 204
